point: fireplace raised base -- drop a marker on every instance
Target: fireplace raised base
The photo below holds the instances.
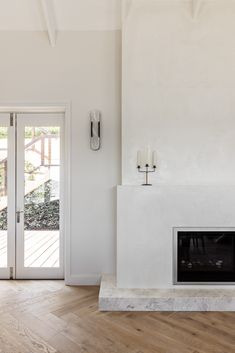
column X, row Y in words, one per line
column 112, row 298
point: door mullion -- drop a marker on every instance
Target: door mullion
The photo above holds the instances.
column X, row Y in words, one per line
column 11, row 177
column 20, row 189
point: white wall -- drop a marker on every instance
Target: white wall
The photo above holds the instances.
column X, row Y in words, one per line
column 84, row 68
column 179, row 91
column 70, row 15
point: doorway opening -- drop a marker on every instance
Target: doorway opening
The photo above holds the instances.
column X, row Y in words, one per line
column 32, row 195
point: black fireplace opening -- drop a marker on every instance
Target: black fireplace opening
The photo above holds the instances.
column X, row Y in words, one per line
column 205, row 256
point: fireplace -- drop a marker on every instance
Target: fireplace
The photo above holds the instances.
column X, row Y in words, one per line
column 204, row 256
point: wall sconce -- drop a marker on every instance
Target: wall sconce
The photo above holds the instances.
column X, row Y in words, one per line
column 95, row 130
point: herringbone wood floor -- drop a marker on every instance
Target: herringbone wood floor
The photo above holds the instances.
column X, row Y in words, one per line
column 47, row 317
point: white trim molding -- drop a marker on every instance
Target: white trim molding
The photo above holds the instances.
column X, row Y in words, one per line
column 32, row 107
column 83, row 280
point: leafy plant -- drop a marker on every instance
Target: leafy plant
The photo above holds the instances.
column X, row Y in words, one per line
column 3, row 132
column 30, row 169
column 31, row 132
column 42, row 209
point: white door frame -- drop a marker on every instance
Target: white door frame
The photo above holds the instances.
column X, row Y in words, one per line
column 65, row 108
column 36, row 119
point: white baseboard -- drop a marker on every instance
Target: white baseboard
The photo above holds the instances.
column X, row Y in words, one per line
column 83, row 280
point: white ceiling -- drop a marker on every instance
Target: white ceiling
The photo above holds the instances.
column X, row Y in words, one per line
column 70, row 15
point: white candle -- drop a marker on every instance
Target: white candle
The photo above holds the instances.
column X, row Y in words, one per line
column 139, row 159
column 154, row 158
column 148, row 157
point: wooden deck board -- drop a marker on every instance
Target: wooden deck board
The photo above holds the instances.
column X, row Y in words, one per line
column 3, row 249
column 41, row 248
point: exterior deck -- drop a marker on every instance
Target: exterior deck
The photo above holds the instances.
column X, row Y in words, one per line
column 41, row 249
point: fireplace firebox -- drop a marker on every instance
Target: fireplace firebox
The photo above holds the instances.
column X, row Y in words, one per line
column 204, row 256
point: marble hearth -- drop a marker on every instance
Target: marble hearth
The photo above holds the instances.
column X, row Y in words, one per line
column 112, row 298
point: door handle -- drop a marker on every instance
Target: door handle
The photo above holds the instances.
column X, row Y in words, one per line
column 18, row 213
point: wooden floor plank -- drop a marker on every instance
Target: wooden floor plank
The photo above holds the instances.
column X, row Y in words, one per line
column 48, row 317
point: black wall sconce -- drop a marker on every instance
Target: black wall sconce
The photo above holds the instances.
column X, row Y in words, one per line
column 95, row 132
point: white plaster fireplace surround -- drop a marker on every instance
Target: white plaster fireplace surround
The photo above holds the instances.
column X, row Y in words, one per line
column 179, row 98
column 145, row 222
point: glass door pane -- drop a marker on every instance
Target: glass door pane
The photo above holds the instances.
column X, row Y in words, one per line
column 42, row 197
column 3, row 195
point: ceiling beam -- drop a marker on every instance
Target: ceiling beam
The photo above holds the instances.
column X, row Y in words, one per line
column 196, row 5
column 126, row 7
column 49, row 17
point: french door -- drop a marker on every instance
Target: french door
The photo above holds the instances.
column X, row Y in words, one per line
column 31, row 195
